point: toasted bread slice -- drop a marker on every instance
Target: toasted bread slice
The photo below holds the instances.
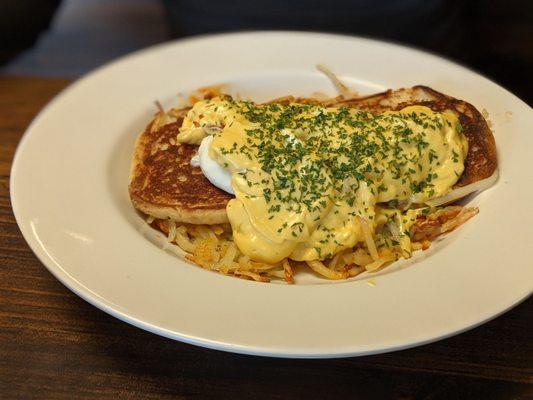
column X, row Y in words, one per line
column 165, row 185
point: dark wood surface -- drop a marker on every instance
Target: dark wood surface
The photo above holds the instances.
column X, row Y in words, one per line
column 53, row 345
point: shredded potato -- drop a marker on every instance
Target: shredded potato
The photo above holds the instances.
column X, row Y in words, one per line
column 171, row 231
column 321, row 269
column 212, row 247
column 205, row 93
column 360, row 257
column 287, row 271
column 355, row 271
column 386, row 257
column 416, row 246
column 183, row 241
column 370, row 244
column 345, row 92
column 464, row 215
column 334, row 261
column 229, row 256
column 159, row 106
column 253, row 275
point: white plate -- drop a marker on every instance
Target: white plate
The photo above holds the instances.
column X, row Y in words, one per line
column 69, row 192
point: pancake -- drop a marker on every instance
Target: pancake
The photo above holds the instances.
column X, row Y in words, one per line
column 163, row 182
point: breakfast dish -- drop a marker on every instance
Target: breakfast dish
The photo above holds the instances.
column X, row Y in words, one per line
column 88, row 235
column 342, row 186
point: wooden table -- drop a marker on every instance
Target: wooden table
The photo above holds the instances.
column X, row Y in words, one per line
column 53, row 345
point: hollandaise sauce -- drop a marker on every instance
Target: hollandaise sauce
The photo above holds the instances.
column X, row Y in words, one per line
column 308, row 180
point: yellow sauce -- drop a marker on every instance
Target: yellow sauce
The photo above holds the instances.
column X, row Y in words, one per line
column 304, row 175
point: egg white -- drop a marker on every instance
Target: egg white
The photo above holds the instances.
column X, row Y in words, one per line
column 217, row 175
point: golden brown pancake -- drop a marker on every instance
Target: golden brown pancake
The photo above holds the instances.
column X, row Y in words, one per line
column 165, row 185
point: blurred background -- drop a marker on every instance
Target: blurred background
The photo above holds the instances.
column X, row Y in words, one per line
column 67, row 38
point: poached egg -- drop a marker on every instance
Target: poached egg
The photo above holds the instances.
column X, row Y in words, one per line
column 310, row 181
